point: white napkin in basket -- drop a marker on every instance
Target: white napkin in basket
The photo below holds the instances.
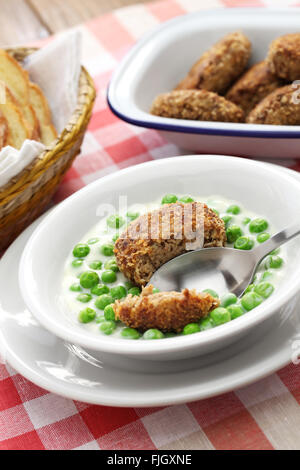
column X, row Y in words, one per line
column 13, row 161
column 56, row 69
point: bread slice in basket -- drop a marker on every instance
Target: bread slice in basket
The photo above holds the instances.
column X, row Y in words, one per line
column 17, row 130
column 25, row 109
column 3, row 131
column 40, row 105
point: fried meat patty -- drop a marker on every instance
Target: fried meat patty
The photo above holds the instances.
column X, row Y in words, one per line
column 253, row 86
column 200, row 105
column 158, row 236
column 284, row 56
column 279, row 108
column 220, row 65
column 167, row 311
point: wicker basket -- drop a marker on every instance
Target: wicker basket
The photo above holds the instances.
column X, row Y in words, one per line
column 25, row 197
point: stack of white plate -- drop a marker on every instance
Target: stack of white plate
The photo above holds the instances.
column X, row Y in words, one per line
column 41, row 342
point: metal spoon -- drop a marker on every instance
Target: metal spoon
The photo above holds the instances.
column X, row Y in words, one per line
column 222, row 269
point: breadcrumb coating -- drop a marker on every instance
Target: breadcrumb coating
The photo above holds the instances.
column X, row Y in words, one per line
column 278, row 108
column 167, row 311
column 253, row 86
column 199, row 105
column 220, row 66
column 284, row 56
column 158, row 236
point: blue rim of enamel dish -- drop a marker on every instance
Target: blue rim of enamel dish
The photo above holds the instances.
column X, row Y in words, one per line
column 200, row 130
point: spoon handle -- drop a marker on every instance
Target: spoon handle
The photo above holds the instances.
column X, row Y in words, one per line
column 277, row 240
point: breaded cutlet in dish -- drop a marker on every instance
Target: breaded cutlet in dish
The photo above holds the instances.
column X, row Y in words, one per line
column 278, row 108
column 220, row 65
column 253, row 86
column 201, row 105
column 167, row 311
column 284, row 56
column 158, row 236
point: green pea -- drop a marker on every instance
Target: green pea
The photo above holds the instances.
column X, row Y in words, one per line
column 107, row 327
column 274, row 262
column 85, row 298
column 233, row 232
column 265, row 289
column 118, row 292
column 244, row 243
column 191, row 328
column 128, row 284
column 266, row 275
column 169, row 199
column 103, row 300
column 89, row 279
column 81, row 250
column 212, row 292
column 220, row 315
column 251, row 300
column 77, row 262
column 87, row 315
column 228, row 299
column 92, row 241
column 130, row 333
column 206, row 324
column 186, row 199
column 263, row 237
column 76, row 288
column 134, row 291
column 107, row 249
column 258, row 225
column 170, row 334
column 100, row 318
column 100, row 289
column 153, row 333
column 233, row 209
column 109, row 313
column 115, row 237
column 97, row 265
column 249, row 288
column 226, row 219
column 246, row 220
column 115, row 221
column 155, row 290
column 235, row 311
column 108, row 276
column 112, row 265
column 132, row 215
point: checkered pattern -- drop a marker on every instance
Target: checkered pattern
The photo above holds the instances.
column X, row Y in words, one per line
column 265, row 415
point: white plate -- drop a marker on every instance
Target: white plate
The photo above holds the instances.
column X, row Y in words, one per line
column 66, row 370
column 161, row 58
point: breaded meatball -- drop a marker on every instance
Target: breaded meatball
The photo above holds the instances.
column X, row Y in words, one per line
column 284, row 56
column 253, row 86
column 277, row 108
column 220, row 66
column 158, row 236
column 201, row 105
column 167, row 311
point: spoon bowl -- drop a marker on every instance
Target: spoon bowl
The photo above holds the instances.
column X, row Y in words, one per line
column 225, row 269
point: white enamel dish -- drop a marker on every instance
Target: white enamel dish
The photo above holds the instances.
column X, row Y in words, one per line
column 161, row 58
column 266, row 190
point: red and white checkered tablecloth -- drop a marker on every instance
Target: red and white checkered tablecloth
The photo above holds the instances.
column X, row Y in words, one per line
column 265, row 415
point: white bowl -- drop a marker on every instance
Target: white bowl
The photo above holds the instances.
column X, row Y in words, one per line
column 262, row 189
column 158, row 62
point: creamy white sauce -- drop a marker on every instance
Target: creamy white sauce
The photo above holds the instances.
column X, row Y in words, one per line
column 71, row 275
